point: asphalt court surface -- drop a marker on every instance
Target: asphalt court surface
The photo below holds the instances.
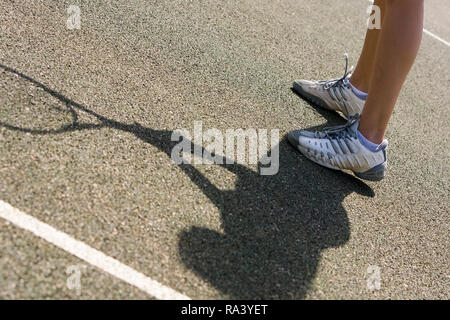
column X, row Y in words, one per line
column 137, row 70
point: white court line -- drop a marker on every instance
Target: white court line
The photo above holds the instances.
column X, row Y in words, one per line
column 88, row 254
column 436, row 37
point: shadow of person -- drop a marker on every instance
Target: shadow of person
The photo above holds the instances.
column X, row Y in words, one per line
column 274, row 227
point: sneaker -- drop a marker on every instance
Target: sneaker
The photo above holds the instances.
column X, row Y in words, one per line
column 340, row 148
column 333, row 94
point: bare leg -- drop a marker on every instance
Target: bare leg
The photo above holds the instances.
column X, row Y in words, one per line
column 397, row 49
column 363, row 72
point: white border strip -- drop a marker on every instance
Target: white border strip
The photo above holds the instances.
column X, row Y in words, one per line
column 88, row 254
column 436, row 37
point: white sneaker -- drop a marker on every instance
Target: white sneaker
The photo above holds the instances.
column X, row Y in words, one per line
column 335, row 94
column 340, row 148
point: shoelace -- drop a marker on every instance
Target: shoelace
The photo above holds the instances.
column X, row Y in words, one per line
column 339, row 132
column 339, row 84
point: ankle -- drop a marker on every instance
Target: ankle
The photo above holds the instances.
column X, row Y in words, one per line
column 371, row 134
column 359, row 83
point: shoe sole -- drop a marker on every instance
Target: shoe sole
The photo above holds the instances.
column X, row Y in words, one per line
column 374, row 174
column 313, row 99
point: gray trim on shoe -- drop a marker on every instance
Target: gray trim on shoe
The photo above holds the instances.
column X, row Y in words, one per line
column 374, row 174
column 293, row 137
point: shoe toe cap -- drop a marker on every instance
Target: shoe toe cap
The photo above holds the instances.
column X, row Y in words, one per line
column 302, row 85
column 296, row 137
